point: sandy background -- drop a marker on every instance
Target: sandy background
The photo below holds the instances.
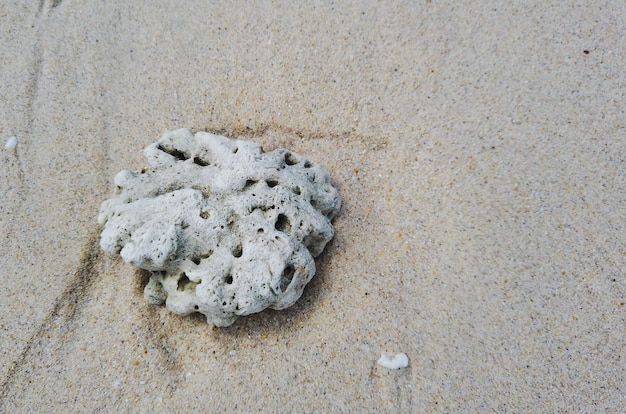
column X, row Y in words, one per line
column 479, row 148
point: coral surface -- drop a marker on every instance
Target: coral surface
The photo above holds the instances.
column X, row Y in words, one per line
column 225, row 228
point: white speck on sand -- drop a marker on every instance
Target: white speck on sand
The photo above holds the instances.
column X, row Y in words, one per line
column 398, row 361
column 11, row 143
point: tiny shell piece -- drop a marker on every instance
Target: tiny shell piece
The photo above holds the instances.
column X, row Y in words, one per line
column 11, row 143
column 398, row 361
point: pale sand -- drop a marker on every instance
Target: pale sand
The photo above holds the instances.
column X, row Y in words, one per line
column 480, row 154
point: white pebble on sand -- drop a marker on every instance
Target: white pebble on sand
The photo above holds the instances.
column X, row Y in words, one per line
column 11, row 143
column 398, row 361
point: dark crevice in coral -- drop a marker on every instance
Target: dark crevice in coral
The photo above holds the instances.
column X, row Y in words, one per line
column 200, row 162
column 174, row 153
column 286, row 277
column 290, row 159
column 283, row 223
column 237, row 251
column 185, row 283
column 198, row 259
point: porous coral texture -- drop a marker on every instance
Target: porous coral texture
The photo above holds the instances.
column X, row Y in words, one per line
column 225, row 228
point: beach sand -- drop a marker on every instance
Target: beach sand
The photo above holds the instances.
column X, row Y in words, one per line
column 479, row 150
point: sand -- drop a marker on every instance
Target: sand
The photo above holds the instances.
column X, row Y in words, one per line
column 479, row 149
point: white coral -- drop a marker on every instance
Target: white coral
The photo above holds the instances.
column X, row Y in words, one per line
column 225, row 228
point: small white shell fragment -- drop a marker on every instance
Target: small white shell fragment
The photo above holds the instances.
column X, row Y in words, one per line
column 11, row 143
column 398, row 361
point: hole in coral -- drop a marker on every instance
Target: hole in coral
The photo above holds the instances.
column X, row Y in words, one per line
column 184, row 283
column 307, row 164
column 196, row 307
column 271, row 183
column 204, row 214
column 297, row 191
column 290, row 159
column 198, row 259
column 249, row 183
column 310, row 241
column 260, row 231
column 235, row 150
column 283, row 224
column 286, row 277
column 229, row 279
column 237, row 251
column 174, row 153
column 200, row 161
